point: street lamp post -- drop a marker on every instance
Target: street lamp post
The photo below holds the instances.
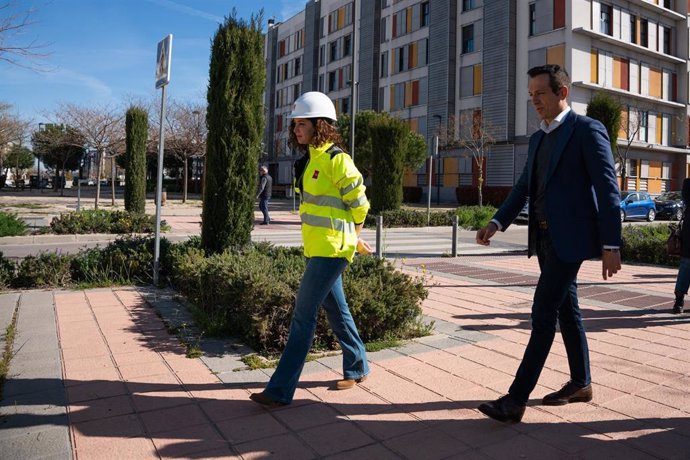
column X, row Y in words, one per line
column 438, row 164
column 354, row 78
column 41, row 127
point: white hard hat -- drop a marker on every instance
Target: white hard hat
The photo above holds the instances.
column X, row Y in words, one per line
column 313, row 105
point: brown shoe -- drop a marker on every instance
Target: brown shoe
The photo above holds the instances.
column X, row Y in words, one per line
column 570, row 393
column 265, row 400
column 346, row 384
column 504, row 409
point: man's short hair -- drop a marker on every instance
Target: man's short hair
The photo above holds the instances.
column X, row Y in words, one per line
column 264, row 169
column 558, row 76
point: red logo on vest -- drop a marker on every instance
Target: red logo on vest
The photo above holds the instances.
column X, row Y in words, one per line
column 316, row 174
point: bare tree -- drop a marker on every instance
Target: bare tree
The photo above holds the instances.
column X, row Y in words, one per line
column 102, row 129
column 14, row 23
column 475, row 136
column 631, row 125
column 186, row 135
column 13, row 131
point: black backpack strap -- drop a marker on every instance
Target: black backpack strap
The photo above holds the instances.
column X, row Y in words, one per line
column 334, row 150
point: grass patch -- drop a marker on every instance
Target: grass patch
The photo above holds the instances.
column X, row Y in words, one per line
column 26, row 206
column 381, row 345
column 10, row 333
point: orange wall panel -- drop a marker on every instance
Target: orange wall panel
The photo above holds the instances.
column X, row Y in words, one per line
column 594, row 66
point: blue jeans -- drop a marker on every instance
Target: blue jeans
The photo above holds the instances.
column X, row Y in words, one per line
column 322, row 283
column 555, row 300
column 683, row 279
column 263, row 207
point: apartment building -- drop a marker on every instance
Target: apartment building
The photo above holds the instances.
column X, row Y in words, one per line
column 444, row 65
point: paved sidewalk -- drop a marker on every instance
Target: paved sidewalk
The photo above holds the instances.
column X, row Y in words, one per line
column 96, row 375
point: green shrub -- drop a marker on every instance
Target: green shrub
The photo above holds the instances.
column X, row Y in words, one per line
column 469, row 217
column 7, row 268
column 124, row 261
column 45, row 270
column 103, row 221
column 251, row 294
column 647, row 244
column 11, row 225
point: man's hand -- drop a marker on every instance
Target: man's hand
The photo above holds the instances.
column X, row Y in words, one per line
column 485, row 234
column 363, row 247
column 610, row 263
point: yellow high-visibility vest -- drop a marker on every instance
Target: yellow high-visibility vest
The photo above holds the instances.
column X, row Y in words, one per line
column 332, row 201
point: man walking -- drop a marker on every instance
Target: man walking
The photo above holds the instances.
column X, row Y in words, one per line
column 264, row 194
column 574, row 215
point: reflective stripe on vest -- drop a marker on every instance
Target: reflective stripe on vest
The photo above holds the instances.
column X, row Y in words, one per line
column 351, row 187
column 323, row 200
column 326, row 222
column 361, row 201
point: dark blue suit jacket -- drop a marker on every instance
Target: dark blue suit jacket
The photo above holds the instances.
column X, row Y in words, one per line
column 582, row 199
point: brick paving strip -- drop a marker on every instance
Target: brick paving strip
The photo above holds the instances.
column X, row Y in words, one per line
column 130, row 392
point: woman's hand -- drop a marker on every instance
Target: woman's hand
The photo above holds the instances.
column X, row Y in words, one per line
column 363, row 247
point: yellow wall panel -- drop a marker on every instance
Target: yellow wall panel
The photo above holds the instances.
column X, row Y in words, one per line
column 413, row 58
column 659, row 130
column 594, row 67
column 409, row 20
column 655, row 82
column 622, row 134
column 556, row 55
column 617, row 73
column 341, row 17
column 637, row 30
column 654, row 169
column 408, row 94
column 654, row 185
column 450, row 180
column 477, row 79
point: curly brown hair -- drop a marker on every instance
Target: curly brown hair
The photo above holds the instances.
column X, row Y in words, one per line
column 324, row 131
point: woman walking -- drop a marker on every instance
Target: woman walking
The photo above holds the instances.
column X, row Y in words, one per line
column 332, row 209
column 683, row 279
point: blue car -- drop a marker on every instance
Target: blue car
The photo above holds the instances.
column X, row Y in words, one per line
column 637, row 205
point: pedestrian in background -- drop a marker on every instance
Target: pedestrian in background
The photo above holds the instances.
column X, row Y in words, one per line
column 264, row 194
column 569, row 166
column 332, row 209
column 683, row 279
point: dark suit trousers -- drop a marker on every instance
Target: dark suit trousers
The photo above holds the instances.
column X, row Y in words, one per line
column 555, row 300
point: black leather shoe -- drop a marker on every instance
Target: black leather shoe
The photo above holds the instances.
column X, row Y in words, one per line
column 570, row 393
column 504, row 409
column 265, row 400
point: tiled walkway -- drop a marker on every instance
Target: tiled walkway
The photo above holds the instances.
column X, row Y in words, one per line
column 130, row 392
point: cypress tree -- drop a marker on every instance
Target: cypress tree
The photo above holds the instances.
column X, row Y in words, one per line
column 136, row 135
column 235, row 122
column 608, row 111
column 389, row 136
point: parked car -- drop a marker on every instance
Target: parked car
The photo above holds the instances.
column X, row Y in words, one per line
column 669, row 205
column 637, row 205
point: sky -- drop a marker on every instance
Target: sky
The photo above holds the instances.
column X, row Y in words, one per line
column 103, row 52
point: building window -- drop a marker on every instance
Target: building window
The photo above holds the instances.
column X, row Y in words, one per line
column 331, row 81
column 606, row 14
column 345, row 105
column 644, row 33
column 332, row 51
column 347, row 45
column 633, row 29
column 298, row 67
column 467, row 5
column 468, row 39
column 384, row 64
column 667, row 4
column 384, row 30
column 424, row 15
column 532, row 19
column 295, row 92
column 667, row 40
column 643, row 125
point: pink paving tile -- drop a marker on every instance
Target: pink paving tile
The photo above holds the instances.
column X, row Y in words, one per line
column 527, row 447
column 610, row 423
column 376, row 451
column 387, row 425
column 123, row 426
column 307, row 416
column 161, row 382
column 80, row 364
column 227, row 409
column 137, row 371
column 663, row 444
column 641, row 408
column 95, row 349
column 398, row 390
column 80, row 341
column 94, row 390
column 138, row 357
column 673, row 364
column 669, row 396
column 652, row 374
column 115, row 448
column 154, row 400
column 472, row 428
column 352, row 402
column 288, row 446
column 103, row 374
column 624, row 383
column 335, row 437
column 614, row 451
column 252, row 427
column 100, row 408
column 185, row 442
column 201, row 377
column 568, row 437
column 174, row 418
column 428, row 444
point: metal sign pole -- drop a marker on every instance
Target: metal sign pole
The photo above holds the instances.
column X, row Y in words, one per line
column 162, row 79
column 159, row 194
